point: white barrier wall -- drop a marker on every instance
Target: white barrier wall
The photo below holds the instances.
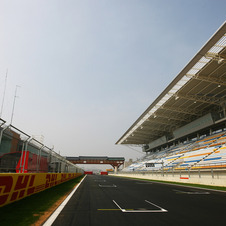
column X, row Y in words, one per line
column 210, row 177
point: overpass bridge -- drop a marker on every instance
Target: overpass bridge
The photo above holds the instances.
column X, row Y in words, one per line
column 115, row 162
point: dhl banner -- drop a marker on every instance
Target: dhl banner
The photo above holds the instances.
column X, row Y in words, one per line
column 15, row 186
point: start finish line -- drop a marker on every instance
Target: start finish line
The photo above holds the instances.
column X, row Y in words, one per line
column 113, row 161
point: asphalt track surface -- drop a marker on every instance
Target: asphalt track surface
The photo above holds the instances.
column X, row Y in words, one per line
column 107, row 201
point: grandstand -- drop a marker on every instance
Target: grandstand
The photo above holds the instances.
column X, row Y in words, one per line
column 191, row 156
column 185, row 127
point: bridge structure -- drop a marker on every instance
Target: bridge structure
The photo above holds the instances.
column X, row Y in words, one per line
column 115, row 162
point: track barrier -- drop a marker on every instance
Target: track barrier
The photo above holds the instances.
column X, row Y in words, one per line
column 15, row 186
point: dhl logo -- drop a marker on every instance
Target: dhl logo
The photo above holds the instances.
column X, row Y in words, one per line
column 14, row 187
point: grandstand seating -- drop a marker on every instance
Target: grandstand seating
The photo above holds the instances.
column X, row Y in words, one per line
column 207, row 152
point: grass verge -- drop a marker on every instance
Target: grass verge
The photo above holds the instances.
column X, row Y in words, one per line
column 28, row 210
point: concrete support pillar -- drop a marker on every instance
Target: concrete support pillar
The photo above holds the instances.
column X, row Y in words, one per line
column 116, row 169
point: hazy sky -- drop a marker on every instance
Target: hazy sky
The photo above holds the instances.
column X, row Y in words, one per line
column 89, row 68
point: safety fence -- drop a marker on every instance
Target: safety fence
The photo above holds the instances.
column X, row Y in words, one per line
column 22, row 153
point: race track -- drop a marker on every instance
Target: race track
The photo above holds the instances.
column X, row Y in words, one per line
column 115, row 201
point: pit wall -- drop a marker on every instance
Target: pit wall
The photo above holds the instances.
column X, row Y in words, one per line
column 212, row 178
column 15, row 186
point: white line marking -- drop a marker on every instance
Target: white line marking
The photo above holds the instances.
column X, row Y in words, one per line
column 108, row 186
column 143, row 183
column 192, row 192
column 123, row 210
column 100, row 180
column 142, row 211
column 55, row 214
column 163, row 210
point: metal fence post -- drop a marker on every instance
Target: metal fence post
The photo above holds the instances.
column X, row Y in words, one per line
column 1, row 133
column 26, row 146
column 39, row 158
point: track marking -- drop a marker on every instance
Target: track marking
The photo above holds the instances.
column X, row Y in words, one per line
column 108, row 186
column 143, row 183
column 192, row 192
column 141, row 210
column 118, row 206
column 100, row 180
column 163, row 210
column 108, row 209
column 55, row 214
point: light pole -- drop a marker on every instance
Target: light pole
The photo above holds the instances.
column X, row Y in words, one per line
column 15, row 96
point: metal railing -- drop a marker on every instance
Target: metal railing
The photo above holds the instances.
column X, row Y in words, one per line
column 20, row 152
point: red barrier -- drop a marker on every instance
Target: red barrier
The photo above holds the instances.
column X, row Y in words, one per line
column 88, row 172
column 103, row 173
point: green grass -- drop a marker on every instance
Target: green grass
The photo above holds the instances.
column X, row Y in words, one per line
column 185, row 184
column 28, row 210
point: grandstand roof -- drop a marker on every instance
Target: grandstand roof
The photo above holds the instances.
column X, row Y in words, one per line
column 198, row 89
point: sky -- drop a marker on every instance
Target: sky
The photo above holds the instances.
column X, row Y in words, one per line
column 87, row 69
